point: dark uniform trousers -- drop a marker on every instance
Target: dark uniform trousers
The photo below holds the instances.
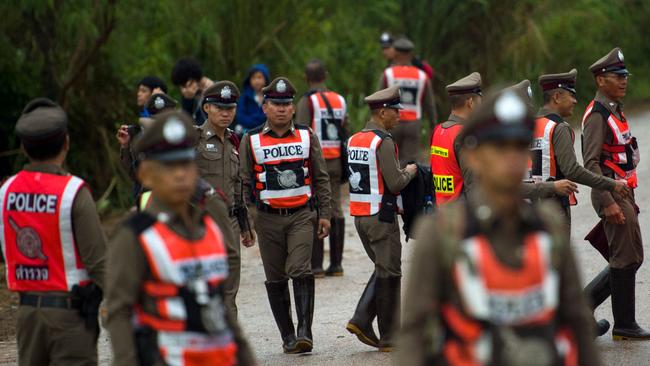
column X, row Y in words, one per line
column 334, row 171
column 285, row 243
column 52, row 336
column 625, row 244
column 407, row 137
column 382, row 244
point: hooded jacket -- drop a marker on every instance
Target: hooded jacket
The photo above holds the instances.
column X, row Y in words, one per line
column 249, row 113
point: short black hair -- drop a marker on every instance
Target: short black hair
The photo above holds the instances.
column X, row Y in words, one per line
column 46, row 149
column 315, row 71
column 186, row 68
column 547, row 95
column 153, row 82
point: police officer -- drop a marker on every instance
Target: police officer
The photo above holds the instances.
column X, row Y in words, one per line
column 325, row 112
column 610, row 149
column 53, row 246
column 554, row 158
column 417, row 99
column 375, row 182
column 168, row 264
column 282, row 164
column 157, row 103
column 451, row 176
column 218, row 161
column 456, row 314
column 536, row 190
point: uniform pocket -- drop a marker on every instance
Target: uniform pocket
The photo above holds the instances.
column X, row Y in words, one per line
column 207, row 161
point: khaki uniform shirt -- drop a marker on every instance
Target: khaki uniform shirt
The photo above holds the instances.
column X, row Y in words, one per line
column 89, row 236
column 129, row 269
column 318, row 169
column 218, row 162
column 394, row 177
column 565, row 156
column 431, row 280
column 595, row 133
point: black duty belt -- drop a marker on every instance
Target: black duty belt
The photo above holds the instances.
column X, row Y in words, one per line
column 278, row 211
column 60, row 302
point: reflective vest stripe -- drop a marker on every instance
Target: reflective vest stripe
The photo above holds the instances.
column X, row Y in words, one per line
column 366, row 182
column 74, row 274
column 145, row 198
column 192, row 350
column 331, row 146
column 542, row 167
column 3, row 240
column 412, row 82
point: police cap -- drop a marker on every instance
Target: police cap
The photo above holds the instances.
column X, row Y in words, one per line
column 470, row 84
column 160, row 102
column 566, row 81
column 171, row 137
column 385, row 98
column 403, row 44
column 611, row 62
column 386, row 40
column 502, row 116
column 280, row 90
column 223, row 94
column 41, row 120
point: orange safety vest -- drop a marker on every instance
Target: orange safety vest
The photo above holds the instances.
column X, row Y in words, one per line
column 37, row 235
column 623, row 148
column 282, row 168
column 325, row 125
column 496, row 296
column 365, row 181
column 412, row 82
column 542, row 166
column 175, row 264
column 447, row 175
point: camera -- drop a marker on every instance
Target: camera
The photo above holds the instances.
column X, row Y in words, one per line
column 133, row 130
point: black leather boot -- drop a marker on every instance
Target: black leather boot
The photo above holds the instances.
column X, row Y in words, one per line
column 280, row 300
column 361, row 322
column 597, row 291
column 337, row 237
column 317, row 257
column 303, row 291
column 388, row 312
column 623, row 295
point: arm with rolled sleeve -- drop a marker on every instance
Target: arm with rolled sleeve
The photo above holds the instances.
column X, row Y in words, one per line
column 303, row 116
column 594, row 130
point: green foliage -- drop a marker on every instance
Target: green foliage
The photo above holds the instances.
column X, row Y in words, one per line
column 89, row 55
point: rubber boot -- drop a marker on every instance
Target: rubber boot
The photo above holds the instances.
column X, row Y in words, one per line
column 597, row 291
column 337, row 236
column 361, row 322
column 623, row 295
column 303, row 291
column 388, row 302
column 280, row 301
column 317, row 257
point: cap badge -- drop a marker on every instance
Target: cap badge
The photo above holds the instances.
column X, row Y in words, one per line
column 226, row 92
column 159, row 103
column 620, row 56
column 385, row 37
column 281, row 86
column 509, row 108
column 174, row 131
column 530, row 92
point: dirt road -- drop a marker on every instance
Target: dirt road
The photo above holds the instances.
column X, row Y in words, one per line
column 336, row 298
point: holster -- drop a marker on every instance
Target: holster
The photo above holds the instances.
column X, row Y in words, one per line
column 91, row 297
column 388, row 208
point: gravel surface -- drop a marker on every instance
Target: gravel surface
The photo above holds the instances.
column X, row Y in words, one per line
column 337, row 297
